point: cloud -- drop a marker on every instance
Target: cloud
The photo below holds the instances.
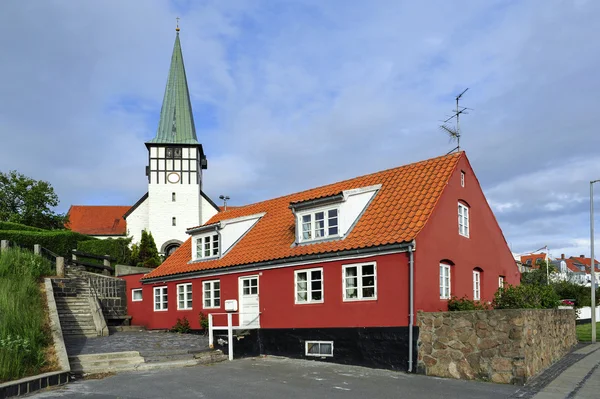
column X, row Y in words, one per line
column 290, row 95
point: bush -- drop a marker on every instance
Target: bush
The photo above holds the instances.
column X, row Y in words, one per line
column 18, row 227
column 581, row 295
column 526, row 296
column 60, row 242
column 24, row 334
column 203, row 322
column 181, row 326
column 464, row 303
column 116, row 248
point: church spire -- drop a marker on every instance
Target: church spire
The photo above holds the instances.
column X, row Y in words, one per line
column 176, row 125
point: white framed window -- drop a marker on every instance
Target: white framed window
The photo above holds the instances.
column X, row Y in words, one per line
column 476, row 285
column 359, row 281
column 161, row 299
column 136, row 295
column 462, row 178
column 184, row 296
column 317, row 225
column 207, row 246
column 319, row 348
column 500, row 281
column 445, row 281
column 463, row 220
column 309, row 285
column 212, row 294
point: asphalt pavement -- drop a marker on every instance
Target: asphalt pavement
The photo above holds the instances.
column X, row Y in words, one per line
column 276, row 378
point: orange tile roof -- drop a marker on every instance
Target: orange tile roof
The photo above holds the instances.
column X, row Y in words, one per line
column 396, row 214
column 533, row 258
column 98, row 220
column 585, row 261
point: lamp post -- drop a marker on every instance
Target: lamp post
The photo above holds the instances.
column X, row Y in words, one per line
column 592, row 263
column 225, row 198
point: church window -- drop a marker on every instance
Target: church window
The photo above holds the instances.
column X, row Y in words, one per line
column 174, row 221
column 207, row 246
column 173, row 197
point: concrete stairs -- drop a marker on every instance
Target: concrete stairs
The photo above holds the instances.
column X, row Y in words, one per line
column 75, row 317
column 133, row 360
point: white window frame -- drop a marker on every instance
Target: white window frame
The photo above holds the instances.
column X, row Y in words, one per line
column 463, row 220
column 211, row 288
column 201, row 239
column 501, row 280
column 133, row 291
column 445, row 281
column 359, row 279
column 307, row 343
column 462, row 178
column 476, row 285
column 187, row 296
column 312, row 213
column 309, row 290
column 164, row 304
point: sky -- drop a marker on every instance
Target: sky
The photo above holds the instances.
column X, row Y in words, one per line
column 289, row 95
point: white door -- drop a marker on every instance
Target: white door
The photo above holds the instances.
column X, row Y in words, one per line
column 249, row 308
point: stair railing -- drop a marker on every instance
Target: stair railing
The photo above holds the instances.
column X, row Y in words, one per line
column 230, row 327
column 99, row 321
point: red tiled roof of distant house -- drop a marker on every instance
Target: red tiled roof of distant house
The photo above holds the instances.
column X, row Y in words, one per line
column 98, row 220
column 396, row 214
column 533, row 258
column 585, row 261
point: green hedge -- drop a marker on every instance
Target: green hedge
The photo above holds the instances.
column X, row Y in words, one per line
column 18, row 227
column 60, row 242
column 116, row 248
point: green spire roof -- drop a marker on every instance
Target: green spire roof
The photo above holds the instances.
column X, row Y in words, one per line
column 176, row 125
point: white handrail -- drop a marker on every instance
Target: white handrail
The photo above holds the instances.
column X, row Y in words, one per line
column 230, row 327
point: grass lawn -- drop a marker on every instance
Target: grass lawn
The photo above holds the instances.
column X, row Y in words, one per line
column 584, row 332
column 24, row 334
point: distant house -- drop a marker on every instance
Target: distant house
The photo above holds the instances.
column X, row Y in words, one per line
column 332, row 271
column 98, row 221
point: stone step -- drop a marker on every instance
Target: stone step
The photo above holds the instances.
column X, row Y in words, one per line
column 74, row 325
column 82, row 313
column 105, row 356
column 79, row 318
column 88, row 332
column 113, row 329
column 105, row 362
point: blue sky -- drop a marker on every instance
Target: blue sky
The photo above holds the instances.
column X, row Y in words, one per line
column 288, row 95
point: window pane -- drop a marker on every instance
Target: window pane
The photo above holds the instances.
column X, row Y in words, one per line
column 217, row 302
column 368, row 292
column 315, row 285
column 254, row 290
column 301, row 286
column 368, row 270
column 351, row 271
column 316, row 295
column 315, row 275
column 246, row 291
column 351, row 293
column 137, row 295
column 325, row 349
column 246, row 283
column 368, row 281
column 313, row 348
column 301, row 296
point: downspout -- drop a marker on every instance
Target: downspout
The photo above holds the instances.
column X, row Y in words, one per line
column 411, row 299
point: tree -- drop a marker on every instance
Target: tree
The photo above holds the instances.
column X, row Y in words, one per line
column 28, row 201
column 145, row 253
column 538, row 276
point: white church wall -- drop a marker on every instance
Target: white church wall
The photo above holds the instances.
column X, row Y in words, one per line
column 138, row 221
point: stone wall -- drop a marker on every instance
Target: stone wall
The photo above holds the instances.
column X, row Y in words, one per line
column 503, row 346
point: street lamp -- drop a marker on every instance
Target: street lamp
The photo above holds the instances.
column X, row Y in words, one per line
column 225, row 198
column 592, row 263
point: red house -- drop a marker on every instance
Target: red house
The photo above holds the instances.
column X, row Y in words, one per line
column 338, row 271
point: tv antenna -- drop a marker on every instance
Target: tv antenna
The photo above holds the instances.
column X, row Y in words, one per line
column 454, row 131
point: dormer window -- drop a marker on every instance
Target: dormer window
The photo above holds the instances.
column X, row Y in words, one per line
column 320, row 224
column 207, row 246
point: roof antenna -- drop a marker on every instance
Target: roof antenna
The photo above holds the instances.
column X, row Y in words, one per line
column 225, row 198
column 454, row 131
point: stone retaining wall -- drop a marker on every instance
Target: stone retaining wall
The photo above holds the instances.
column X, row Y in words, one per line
column 504, row 346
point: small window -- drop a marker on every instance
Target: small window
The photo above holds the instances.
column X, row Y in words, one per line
column 309, row 285
column 207, row 246
column 136, row 295
column 528, row 262
column 160, row 299
column 212, row 294
column 444, row 281
column 173, row 197
column 184, row 296
column 319, row 225
column 463, row 220
column 476, row 285
column 319, row 348
column 174, row 221
column 462, row 178
column 501, row 281
column 360, row 281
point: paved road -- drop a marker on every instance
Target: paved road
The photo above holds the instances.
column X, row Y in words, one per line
column 277, row 378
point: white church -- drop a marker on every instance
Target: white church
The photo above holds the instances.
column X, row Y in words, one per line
column 175, row 200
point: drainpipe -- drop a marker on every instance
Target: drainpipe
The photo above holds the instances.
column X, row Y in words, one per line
column 411, row 298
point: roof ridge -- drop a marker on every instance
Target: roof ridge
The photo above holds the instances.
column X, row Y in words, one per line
column 238, row 207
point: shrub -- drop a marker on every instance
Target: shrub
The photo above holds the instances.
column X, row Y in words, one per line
column 526, row 296
column 146, row 252
column 181, row 326
column 203, row 322
column 581, row 295
column 60, row 242
column 116, row 248
column 18, row 227
column 464, row 303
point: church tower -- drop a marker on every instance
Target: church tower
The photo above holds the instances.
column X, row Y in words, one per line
column 175, row 201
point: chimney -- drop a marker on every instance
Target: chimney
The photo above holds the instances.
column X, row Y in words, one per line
column 562, row 256
column 582, row 256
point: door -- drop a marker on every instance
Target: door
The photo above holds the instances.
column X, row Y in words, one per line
column 249, row 308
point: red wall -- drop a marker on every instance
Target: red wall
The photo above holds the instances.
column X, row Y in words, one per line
column 276, row 298
column 439, row 240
